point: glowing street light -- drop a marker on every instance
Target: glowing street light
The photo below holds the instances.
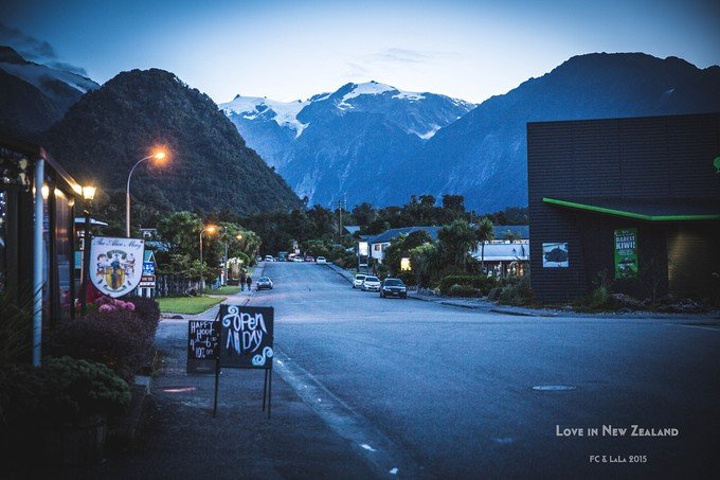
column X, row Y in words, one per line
column 210, row 229
column 160, row 155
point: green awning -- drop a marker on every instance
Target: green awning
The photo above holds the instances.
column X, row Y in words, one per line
column 647, row 209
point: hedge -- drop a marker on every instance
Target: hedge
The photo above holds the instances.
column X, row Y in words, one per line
column 479, row 282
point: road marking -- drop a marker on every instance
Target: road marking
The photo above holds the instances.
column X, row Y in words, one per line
column 376, row 449
column 699, row 327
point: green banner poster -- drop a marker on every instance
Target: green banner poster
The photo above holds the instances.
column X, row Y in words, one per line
column 626, row 260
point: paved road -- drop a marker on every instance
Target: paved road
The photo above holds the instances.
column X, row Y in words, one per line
column 434, row 391
column 388, row 388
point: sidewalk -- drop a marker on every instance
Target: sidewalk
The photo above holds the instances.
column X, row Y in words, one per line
column 494, row 307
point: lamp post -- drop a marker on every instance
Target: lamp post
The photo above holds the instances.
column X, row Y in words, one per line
column 158, row 156
column 88, row 194
column 209, row 229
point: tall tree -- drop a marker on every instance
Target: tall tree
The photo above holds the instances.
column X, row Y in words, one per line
column 456, row 240
column 484, row 235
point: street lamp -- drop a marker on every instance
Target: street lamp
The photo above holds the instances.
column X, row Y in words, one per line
column 88, row 193
column 209, row 229
column 157, row 156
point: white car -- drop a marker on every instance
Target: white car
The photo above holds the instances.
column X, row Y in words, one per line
column 358, row 281
column 321, row 260
column 371, row 284
column 269, row 258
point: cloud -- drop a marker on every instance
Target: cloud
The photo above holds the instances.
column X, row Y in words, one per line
column 408, row 56
column 34, row 50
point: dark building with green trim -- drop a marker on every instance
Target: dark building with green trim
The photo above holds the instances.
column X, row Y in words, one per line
column 634, row 199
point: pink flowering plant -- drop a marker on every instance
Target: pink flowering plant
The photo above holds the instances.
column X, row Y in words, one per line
column 107, row 304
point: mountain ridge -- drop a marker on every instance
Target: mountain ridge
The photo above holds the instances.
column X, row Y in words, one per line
column 210, row 168
column 481, row 154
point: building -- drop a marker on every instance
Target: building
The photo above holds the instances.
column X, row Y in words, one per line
column 503, row 258
column 380, row 242
column 634, row 200
column 37, row 203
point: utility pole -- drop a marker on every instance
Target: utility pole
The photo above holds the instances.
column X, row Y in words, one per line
column 340, row 207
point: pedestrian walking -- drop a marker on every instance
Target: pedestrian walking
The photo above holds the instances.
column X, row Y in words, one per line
column 249, row 282
column 242, row 281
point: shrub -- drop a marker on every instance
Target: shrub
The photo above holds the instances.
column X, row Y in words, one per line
column 61, row 390
column 480, row 282
column 517, row 292
column 122, row 339
column 464, row 291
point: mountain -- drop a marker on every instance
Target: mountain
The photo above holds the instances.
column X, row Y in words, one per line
column 374, row 143
column 33, row 96
column 488, row 145
column 209, row 169
column 340, row 145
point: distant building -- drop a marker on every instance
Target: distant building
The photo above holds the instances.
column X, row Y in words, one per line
column 380, row 242
column 502, row 258
column 634, row 199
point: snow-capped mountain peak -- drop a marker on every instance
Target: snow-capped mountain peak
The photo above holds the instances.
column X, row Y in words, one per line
column 283, row 113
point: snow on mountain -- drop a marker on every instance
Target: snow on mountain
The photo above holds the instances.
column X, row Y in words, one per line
column 251, row 108
column 341, row 141
column 39, row 75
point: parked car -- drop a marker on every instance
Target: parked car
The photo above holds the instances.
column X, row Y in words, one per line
column 358, row 281
column 371, row 284
column 393, row 287
column 309, row 258
column 269, row 258
column 264, row 283
column 321, row 260
column 297, row 258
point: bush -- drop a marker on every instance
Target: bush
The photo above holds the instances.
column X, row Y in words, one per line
column 480, row 282
column 517, row 292
column 122, row 339
column 464, row 291
column 61, row 390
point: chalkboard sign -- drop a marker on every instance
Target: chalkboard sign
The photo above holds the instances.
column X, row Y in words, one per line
column 202, row 346
column 246, row 336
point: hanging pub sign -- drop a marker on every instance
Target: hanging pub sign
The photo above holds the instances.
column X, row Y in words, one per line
column 115, row 264
column 626, row 260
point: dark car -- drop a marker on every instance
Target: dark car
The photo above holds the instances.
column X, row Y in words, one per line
column 393, row 287
column 264, row 282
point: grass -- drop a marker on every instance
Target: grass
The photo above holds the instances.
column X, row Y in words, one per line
column 187, row 305
column 226, row 290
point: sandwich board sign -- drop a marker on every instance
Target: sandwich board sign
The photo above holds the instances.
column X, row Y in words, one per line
column 202, row 346
column 246, row 341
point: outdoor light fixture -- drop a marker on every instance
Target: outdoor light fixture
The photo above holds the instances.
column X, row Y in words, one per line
column 210, row 229
column 88, row 192
column 159, row 155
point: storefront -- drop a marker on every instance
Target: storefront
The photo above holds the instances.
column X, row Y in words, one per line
column 36, row 234
column 633, row 202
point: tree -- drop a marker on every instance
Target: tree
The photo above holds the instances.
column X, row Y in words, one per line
column 425, row 260
column 484, row 234
column 454, row 202
column 456, row 240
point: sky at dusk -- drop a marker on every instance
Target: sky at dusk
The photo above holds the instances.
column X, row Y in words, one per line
column 292, row 49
